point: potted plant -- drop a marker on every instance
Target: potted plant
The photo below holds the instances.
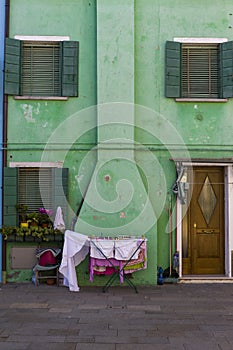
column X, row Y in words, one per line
column 32, row 233
column 39, row 227
column 45, row 217
column 22, row 211
column 33, row 219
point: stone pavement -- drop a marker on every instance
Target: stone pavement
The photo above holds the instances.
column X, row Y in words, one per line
column 172, row 316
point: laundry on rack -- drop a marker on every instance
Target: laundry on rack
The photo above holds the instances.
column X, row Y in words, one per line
column 104, row 267
column 126, row 249
column 113, row 255
column 101, row 248
column 130, row 256
column 137, row 264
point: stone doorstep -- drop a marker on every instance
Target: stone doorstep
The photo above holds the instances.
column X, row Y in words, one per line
column 205, row 279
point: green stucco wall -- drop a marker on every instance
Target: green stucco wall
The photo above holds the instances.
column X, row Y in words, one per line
column 122, row 55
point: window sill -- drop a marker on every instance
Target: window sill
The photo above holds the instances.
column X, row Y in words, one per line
column 201, row 99
column 51, row 98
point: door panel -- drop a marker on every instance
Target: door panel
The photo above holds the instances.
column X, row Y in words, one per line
column 206, row 224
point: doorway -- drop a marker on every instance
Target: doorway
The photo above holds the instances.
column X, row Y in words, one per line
column 203, row 227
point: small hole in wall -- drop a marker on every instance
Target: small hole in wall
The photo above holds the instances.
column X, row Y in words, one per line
column 107, row 178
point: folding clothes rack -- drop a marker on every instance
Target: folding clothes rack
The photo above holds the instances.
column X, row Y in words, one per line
column 119, row 267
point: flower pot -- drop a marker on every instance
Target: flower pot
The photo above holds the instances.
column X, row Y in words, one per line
column 34, row 224
column 58, row 238
column 50, row 281
column 19, row 238
column 49, row 238
column 24, row 224
column 29, row 239
column 11, row 238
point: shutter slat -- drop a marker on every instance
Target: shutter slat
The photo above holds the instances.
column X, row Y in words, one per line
column 12, row 66
column 10, row 196
column 70, row 57
column 173, row 69
column 226, row 69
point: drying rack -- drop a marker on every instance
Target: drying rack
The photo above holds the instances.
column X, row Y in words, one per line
column 119, row 268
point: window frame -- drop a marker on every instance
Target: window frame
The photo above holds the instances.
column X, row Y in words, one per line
column 59, row 190
column 191, row 41
column 69, row 75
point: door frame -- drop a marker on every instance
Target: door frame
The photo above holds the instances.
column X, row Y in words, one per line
column 228, row 210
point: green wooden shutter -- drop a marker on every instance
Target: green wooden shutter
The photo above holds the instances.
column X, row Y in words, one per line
column 70, row 55
column 60, row 190
column 10, row 196
column 173, row 69
column 226, row 69
column 12, row 66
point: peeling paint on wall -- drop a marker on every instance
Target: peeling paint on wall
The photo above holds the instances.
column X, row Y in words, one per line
column 79, row 178
column 37, row 109
column 27, row 112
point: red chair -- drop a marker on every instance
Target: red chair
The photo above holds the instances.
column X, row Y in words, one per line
column 48, row 264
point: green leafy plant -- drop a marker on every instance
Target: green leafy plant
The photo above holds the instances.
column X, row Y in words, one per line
column 22, row 211
column 33, row 218
column 35, row 227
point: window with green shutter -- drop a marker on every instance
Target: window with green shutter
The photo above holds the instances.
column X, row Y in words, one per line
column 41, row 68
column 199, row 70
column 35, row 188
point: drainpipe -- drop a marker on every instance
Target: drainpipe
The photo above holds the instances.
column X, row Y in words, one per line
column 2, row 21
column 4, row 139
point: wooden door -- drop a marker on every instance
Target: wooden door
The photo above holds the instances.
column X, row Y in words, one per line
column 206, row 224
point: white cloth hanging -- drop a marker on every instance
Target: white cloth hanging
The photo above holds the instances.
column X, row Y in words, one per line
column 101, row 248
column 75, row 249
column 58, row 221
column 126, row 249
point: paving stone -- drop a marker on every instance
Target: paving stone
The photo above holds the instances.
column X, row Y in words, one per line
column 15, row 346
column 145, row 347
column 54, row 346
column 150, row 308
column 96, row 347
column 27, row 306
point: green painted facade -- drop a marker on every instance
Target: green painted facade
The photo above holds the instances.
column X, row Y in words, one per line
column 119, row 152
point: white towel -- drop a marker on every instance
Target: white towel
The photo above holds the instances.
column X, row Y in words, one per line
column 101, row 248
column 125, row 249
column 58, row 221
column 75, row 249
